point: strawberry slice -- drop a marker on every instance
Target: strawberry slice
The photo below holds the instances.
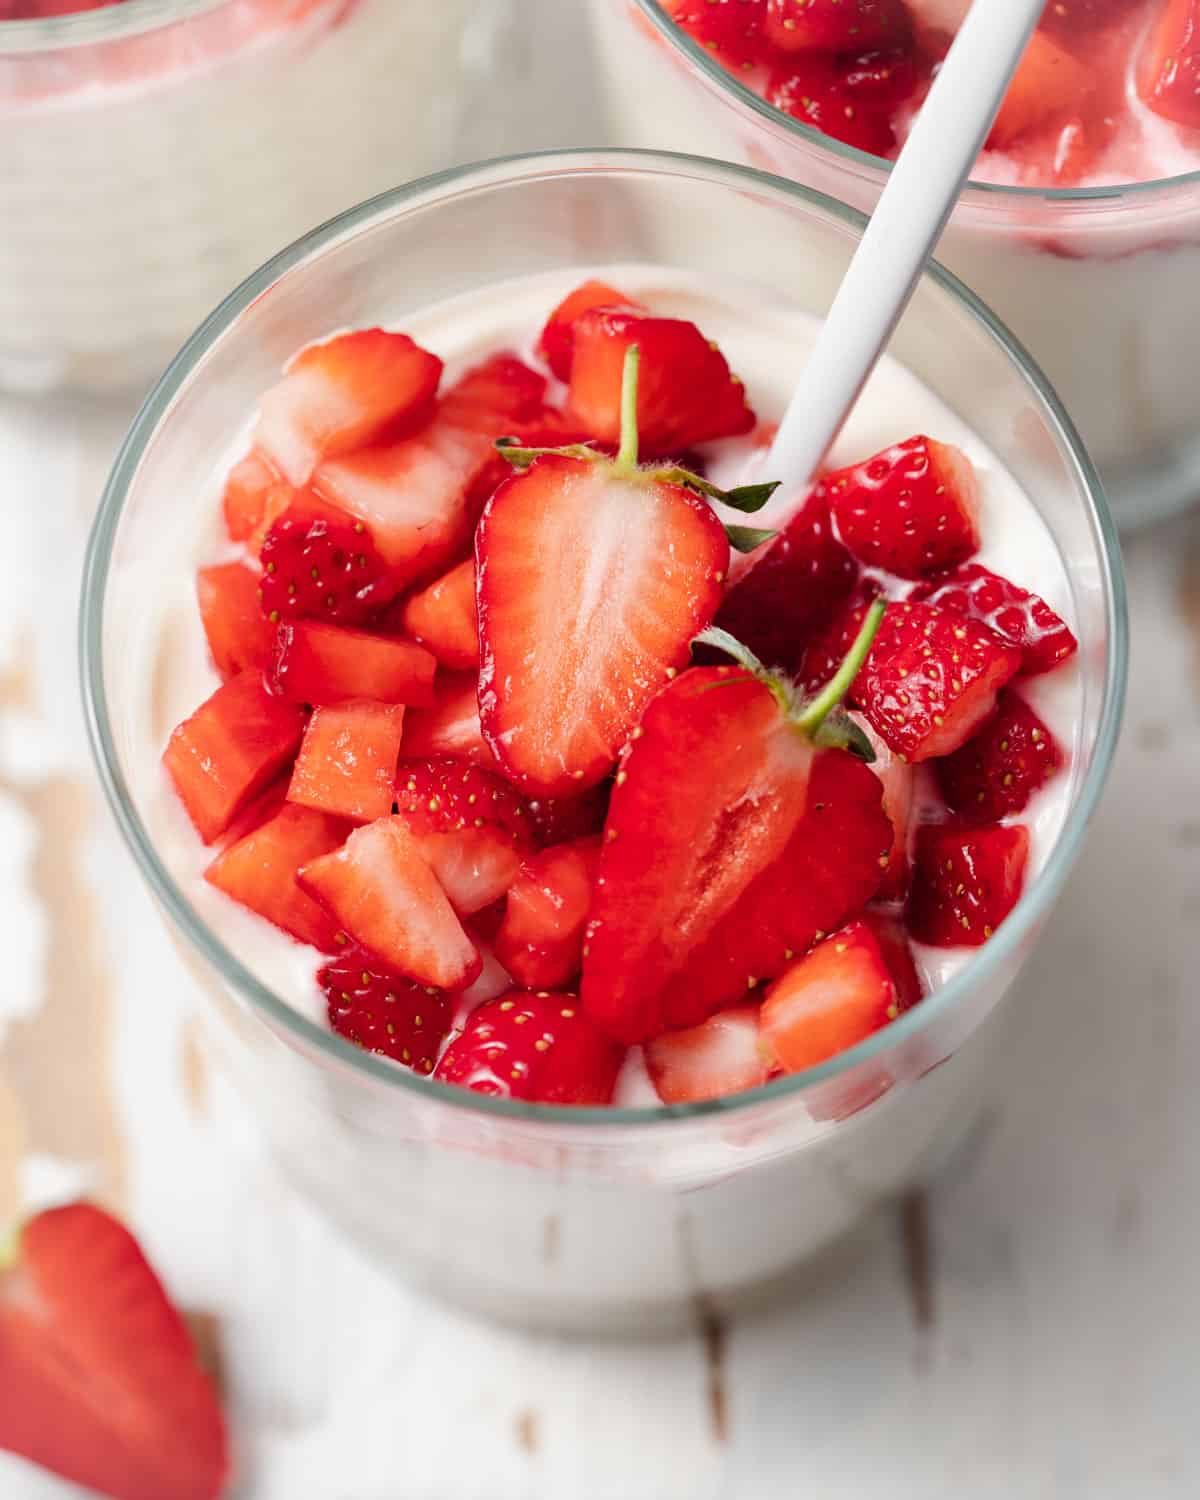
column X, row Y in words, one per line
column 451, row 725
column 379, row 888
column 835, row 25
column 259, row 872
column 317, row 566
column 686, row 394
column 911, row 510
column 495, row 395
column 314, row 663
column 229, row 750
column 723, row 1055
column 965, row 882
column 829, row 1000
column 384, row 1012
column 562, row 820
column 1018, row 617
column 1169, row 73
column 238, row 635
column 347, row 760
column 254, row 497
column 811, row 87
column 557, row 342
column 101, row 1382
column 1000, row 767
column 443, row 618
column 539, row 1048
column 540, row 941
column 342, row 394
column 793, row 587
column 472, row 827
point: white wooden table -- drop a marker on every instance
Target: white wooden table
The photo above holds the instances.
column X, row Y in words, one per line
column 1029, row 1328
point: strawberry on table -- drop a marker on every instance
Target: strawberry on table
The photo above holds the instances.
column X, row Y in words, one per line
column 1018, row 617
column 557, row 342
column 347, row 761
column 1011, row 756
column 442, row 617
column 537, row 1047
column 379, row 888
column 835, row 25
column 100, row 1380
column 965, row 882
column 450, row 726
column 723, row 1055
column 540, row 941
column 385, row 1012
column 321, row 664
column 342, row 394
column 320, row 565
column 1169, row 75
column 238, row 634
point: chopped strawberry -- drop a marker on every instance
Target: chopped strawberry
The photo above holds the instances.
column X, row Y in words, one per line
column 442, row 617
column 539, row 1048
column 342, row 394
column 892, row 936
column 229, row 750
column 793, row 587
column 472, row 827
column 316, row 568
column 259, row 872
column 540, row 941
column 385, row 1012
column 1018, row 617
column 451, row 725
column 1169, row 75
column 379, row 888
column 237, row 633
column 821, row 656
column 1000, row 767
column 686, row 393
column 965, row 882
column 321, row 664
column 899, row 792
column 835, row 25
column 723, row 1055
column 730, row 29
column 560, row 820
column 811, row 87
column 1051, row 85
column 880, row 80
column 829, row 1000
column 101, row 1382
column 629, row 569
column 911, row 510
column 255, row 495
column 557, row 343
column 347, row 762
column 494, row 396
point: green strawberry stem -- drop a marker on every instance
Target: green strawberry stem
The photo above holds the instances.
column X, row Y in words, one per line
column 839, row 684
column 627, row 453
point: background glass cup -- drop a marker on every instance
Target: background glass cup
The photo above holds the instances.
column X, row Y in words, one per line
column 613, row 1219
column 155, row 152
column 1100, row 283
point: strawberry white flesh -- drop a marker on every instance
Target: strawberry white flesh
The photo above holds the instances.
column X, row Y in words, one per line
column 723, row 1055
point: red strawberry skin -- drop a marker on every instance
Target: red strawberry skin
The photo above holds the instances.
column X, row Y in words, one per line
column 537, row 1047
column 628, row 572
column 965, row 882
column 811, row 87
column 730, row 844
column 317, row 568
column 384, row 1012
column 540, row 941
column 101, row 1383
column 316, row 663
column 1010, row 757
column 1018, row 617
column 835, row 25
column 730, row 29
column 557, row 342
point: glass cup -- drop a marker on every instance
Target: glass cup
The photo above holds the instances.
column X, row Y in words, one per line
column 612, row 1219
column 1098, row 282
column 156, row 151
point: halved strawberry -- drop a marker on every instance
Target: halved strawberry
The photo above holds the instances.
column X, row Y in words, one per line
column 557, row 342
column 1000, row 767
column 319, row 568
column 560, row 820
column 686, row 393
column 451, row 725
column 793, row 587
column 540, row 941
column 965, row 882
column 347, row 761
column 723, row 1055
column 379, row 888
column 342, row 394
column 443, row 618
column 255, row 494
column 1050, row 86
column 911, row 510
column 1169, row 74
column 471, row 826
column 539, row 1048
column 1018, row 617
column 835, row 25
column 810, row 87
column 100, row 1379
column 829, row 1000
column 385, row 1012
column 229, row 750
column 259, row 872
column 238, row 635
column 322, row 664
column 493, row 396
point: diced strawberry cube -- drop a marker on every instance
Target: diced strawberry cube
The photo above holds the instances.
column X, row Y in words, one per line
column 1169, row 75
column 495, row 395
column 835, row 25
column 723, row 1055
column 238, row 634
column 229, row 750
column 965, row 882
column 540, row 941
column 342, row 394
column 1018, row 617
column 255, row 494
column 451, row 725
column 443, row 618
column 1049, row 86
column 1011, row 756
column 557, row 343
column 322, row 664
column 347, row 763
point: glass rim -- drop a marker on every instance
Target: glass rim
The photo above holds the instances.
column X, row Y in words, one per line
column 82, row 28
column 999, row 192
column 428, row 191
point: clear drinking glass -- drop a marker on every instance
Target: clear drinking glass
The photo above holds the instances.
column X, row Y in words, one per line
column 1098, row 282
column 613, row 1219
column 155, row 152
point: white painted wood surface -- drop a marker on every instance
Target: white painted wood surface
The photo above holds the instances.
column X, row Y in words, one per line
column 1046, row 1348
